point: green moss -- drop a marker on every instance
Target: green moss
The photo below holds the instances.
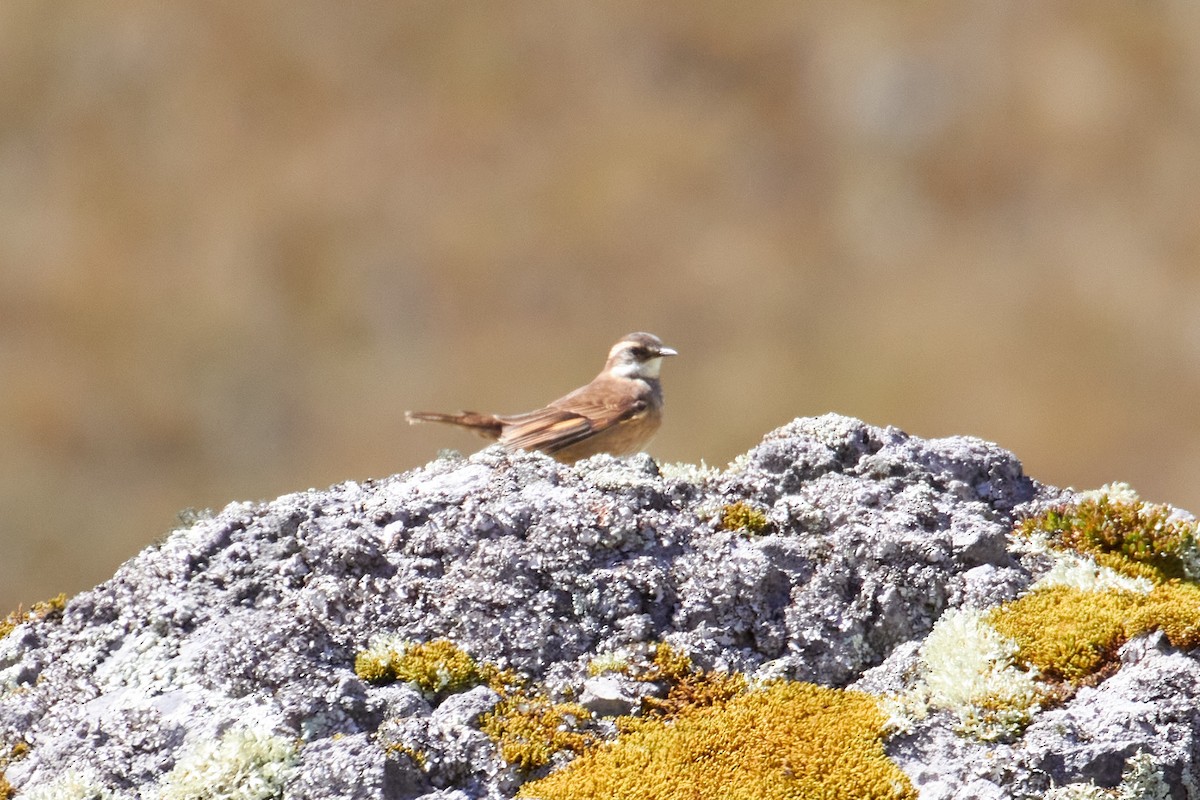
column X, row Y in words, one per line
column 46, row 609
column 742, row 516
column 438, row 668
column 788, row 740
column 1135, row 538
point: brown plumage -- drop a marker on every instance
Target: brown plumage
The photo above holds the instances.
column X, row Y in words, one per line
column 617, row 413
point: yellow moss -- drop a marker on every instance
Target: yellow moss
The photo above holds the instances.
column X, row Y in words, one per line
column 529, row 728
column 373, row 667
column 1066, row 633
column 415, row 755
column 1127, row 566
column 45, row 609
column 686, row 686
column 439, row 667
column 15, row 753
column 742, row 516
column 1174, row 609
column 788, row 741
column 1069, row 634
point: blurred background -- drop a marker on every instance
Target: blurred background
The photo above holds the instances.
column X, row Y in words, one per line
column 238, row 239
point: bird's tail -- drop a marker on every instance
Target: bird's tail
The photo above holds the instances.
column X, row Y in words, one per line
column 485, row 425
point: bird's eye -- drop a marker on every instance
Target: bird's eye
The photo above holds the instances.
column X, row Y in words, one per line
column 640, row 353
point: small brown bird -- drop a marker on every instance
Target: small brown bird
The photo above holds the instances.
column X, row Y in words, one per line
column 616, row 413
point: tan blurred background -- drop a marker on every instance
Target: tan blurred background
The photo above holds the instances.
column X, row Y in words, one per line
column 238, row 238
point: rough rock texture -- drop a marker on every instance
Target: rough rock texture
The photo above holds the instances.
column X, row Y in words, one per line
column 252, row 618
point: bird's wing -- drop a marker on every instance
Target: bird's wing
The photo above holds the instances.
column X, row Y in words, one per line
column 585, row 412
column 548, row 430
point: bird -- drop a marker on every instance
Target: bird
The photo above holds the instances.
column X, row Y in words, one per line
column 617, row 413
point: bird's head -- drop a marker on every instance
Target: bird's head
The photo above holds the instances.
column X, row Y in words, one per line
column 638, row 355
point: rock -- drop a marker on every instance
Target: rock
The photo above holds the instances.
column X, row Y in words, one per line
column 465, row 709
column 354, row 767
column 239, row 633
column 447, row 794
column 608, row 696
column 1148, row 705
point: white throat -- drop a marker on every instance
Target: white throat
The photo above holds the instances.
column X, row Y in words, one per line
column 638, row 370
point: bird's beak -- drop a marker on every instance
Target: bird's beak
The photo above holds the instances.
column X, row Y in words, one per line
column 666, row 351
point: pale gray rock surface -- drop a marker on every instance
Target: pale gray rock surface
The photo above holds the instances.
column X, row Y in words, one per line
column 251, row 619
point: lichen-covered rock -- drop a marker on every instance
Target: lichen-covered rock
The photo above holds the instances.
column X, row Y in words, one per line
column 826, row 554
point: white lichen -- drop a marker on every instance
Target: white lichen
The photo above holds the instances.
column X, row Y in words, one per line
column 1141, row 780
column 70, row 785
column 617, row 661
column 1080, row 572
column 697, row 474
column 12, row 649
column 967, row 668
column 1078, row 791
column 1115, row 492
column 243, row 764
column 739, row 464
column 386, row 647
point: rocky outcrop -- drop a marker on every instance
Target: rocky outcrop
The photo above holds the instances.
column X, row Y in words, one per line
column 225, row 654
